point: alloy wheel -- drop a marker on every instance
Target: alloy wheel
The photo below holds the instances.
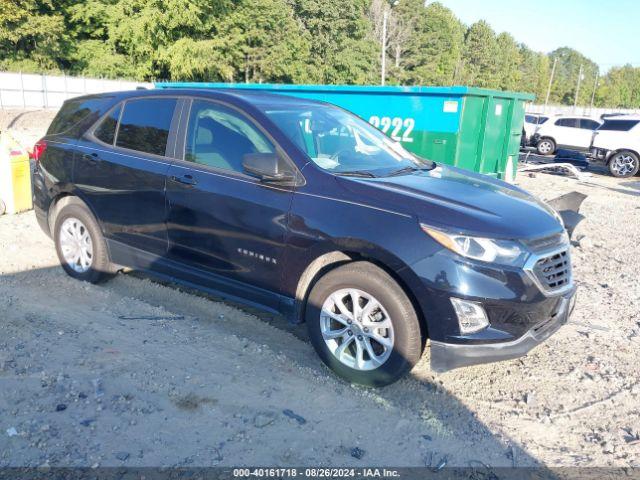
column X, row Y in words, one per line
column 357, row 329
column 623, row 164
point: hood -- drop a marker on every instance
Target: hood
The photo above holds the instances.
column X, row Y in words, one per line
column 459, row 201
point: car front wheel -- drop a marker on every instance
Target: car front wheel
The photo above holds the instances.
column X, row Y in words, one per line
column 363, row 325
column 546, row 146
column 624, row 164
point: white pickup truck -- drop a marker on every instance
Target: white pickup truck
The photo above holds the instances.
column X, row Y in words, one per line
column 616, row 143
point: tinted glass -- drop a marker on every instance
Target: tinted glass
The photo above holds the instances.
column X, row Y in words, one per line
column 106, row 131
column 567, row 122
column 588, row 124
column 74, row 111
column 530, row 119
column 541, row 120
column 619, row 125
column 145, row 125
column 220, row 137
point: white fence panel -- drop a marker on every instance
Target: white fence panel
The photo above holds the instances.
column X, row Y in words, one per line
column 22, row 90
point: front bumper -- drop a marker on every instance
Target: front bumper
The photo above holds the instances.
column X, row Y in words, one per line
column 447, row 356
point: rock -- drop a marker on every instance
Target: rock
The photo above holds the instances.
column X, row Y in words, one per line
column 427, row 437
column 97, row 387
column 530, row 399
column 263, row 419
column 357, row 452
column 289, row 413
column 82, row 395
column 12, row 432
column 608, row 447
column 122, row 456
column 61, row 407
column 87, row 421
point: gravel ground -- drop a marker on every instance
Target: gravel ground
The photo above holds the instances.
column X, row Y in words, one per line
column 138, row 373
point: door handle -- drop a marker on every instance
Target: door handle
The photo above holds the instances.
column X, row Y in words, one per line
column 91, row 157
column 184, row 179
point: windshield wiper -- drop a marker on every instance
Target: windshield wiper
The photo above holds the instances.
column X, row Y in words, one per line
column 409, row 169
column 355, row 173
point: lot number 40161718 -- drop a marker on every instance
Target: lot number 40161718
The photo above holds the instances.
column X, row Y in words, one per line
column 399, row 129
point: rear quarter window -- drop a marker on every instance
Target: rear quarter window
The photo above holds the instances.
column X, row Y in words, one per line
column 76, row 115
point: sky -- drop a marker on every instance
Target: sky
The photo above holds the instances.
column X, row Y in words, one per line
column 606, row 31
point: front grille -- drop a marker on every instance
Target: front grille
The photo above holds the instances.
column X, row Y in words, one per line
column 554, row 271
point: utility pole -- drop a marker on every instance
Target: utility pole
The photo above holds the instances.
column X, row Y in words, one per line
column 575, row 103
column 553, row 72
column 385, row 18
column 593, row 94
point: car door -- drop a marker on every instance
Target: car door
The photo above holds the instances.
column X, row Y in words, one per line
column 121, row 172
column 567, row 132
column 224, row 224
column 587, row 127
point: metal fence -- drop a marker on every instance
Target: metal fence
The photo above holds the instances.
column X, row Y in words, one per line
column 22, row 90
column 570, row 110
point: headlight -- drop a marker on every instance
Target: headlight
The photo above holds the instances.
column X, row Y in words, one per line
column 505, row 252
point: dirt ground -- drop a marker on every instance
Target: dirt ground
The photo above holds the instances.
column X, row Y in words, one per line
column 134, row 372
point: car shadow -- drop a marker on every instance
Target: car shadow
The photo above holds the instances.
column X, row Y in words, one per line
column 449, row 429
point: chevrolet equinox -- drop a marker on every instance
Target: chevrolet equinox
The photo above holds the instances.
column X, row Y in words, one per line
column 304, row 209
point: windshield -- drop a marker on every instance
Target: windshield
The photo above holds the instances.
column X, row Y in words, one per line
column 342, row 143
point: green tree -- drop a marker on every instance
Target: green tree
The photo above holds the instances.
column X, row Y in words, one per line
column 508, row 63
column 262, row 41
column 480, row 56
column 534, row 72
column 342, row 47
column 432, row 53
column 565, row 81
column 33, row 36
column 620, row 88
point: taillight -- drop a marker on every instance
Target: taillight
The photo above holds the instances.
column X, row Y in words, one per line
column 38, row 150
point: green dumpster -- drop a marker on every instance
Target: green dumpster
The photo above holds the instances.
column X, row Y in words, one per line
column 472, row 128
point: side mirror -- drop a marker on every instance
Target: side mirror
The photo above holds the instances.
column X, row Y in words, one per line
column 268, row 167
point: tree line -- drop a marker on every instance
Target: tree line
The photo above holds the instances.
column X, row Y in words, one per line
column 293, row 41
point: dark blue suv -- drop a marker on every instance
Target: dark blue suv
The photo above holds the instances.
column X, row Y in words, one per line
column 304, row 209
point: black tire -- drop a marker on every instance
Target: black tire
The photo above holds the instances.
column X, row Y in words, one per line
column 628, row 169
column 546, row 146
column 101, row 268
column 407, row 344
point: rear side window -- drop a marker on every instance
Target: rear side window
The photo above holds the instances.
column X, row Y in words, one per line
column 106, row 131
column 618, row 125
column 74, row 112
column 568, row 122
column 145, row 125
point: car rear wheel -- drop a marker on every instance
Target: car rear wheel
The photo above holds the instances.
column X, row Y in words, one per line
column 363, row 325
column 624, row 164
column 546, row 146
column 80, row 245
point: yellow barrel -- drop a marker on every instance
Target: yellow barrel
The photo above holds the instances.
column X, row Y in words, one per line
column 15, row 175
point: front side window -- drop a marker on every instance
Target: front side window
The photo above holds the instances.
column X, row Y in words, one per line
column 106, row 131
column 341, row 142
column 220, row 137
column 145, row 125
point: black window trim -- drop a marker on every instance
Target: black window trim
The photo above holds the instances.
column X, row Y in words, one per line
column 181, row 145
column 171, row 138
